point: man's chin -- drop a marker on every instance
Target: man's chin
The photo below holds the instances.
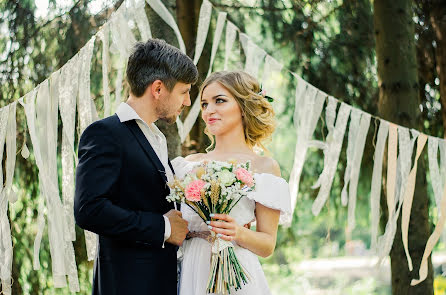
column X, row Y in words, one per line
column 169, row 120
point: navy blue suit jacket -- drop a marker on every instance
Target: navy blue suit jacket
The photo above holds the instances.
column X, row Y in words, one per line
column 121, row 195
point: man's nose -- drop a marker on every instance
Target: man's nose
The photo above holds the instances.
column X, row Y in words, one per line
column 187, row 101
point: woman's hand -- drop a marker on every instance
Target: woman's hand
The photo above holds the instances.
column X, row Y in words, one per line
column 226, row 228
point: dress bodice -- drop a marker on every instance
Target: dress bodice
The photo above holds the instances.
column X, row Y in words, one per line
column 271, row 191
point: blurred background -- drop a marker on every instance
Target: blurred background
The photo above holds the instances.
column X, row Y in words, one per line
column 332, row 44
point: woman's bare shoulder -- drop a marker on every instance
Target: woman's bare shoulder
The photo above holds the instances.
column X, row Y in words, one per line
column 194, row 157
column 265, row 164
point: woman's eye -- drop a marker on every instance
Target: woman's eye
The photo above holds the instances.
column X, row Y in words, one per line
column 219, row 100
column 204, row 105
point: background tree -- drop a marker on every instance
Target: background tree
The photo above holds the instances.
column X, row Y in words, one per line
column 399, row 102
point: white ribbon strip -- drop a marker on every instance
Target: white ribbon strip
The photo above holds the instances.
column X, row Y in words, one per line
column 141, row 19
column 217, row 37
column 42, row 122
column 86, row 117
column 356, row 165
column 270, row 68
column 385, row 241
column 58, row 218
column 406, row 146
column 306, row 122
column 186, row 127
column 433, row 239
column 352, row 136
column 85, row 110
column 69, row 79
column 231, row 33
column 408, row 198
column 331, row 158
column 442, row 146
column 162, row 11
column 254, row 55
column 104, row 35
column 203, row 27
column 11, row 151
column 5, row 234
column 437, row 179
column 375, row 194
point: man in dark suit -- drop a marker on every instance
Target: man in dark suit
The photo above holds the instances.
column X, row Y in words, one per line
column 122, row 173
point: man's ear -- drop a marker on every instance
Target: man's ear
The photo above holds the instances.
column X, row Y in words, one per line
column 156, row 89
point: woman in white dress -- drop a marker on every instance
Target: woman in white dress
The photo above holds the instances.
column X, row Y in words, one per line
column 238, row 118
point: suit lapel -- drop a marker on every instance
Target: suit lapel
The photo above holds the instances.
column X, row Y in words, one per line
column 148, row 149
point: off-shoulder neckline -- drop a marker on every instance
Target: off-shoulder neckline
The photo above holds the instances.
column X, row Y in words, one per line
column 255, row 173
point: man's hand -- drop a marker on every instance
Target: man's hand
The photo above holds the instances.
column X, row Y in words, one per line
column 178, row 227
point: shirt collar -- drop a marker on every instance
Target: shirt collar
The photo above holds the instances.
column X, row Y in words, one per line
column 126, row 113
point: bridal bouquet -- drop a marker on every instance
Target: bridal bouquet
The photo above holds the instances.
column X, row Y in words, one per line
column 216, row 187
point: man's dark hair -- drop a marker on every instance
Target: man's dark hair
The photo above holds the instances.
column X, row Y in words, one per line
column 157, row 60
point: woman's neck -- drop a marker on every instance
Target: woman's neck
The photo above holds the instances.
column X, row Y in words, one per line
column 231, row 144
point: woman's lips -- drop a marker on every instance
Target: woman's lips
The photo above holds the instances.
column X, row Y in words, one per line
column 212, row 121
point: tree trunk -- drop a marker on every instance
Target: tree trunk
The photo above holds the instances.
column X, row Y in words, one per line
column 438, row 21
column 399, row 103
column 187, row 17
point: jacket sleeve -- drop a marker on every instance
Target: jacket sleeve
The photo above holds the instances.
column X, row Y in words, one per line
column 97, row 175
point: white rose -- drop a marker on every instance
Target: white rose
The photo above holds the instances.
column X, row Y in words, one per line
column 226, row 177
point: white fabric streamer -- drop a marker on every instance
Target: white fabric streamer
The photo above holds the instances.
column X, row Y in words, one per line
column 185, row 128
column 203, row 28
column 162, row 11
column 271, row 67
column 437, row 178
column 352, row 136
column 217, row 36
column 231, row 33
column 375, row 194
column 86, row 117
column 331, row 158
column 41, row 114
column 385, row 241
column 69, row 79
column 141, row 19
column 408, row 198
column 5, row 233
column 11, row 151
column 433, row 239
column 356, row 165
column 104, row 35
column 305, row 123
column 254, row 55
column 61, row 217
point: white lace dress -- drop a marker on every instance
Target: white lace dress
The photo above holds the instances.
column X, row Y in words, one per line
column 271, row 191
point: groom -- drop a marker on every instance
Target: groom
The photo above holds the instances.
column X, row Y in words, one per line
column 122, row 173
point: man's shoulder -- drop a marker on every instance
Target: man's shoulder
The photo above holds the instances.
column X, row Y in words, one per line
column 110, row 126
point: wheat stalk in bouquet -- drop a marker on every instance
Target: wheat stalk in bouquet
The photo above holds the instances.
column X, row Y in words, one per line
column 215, row 188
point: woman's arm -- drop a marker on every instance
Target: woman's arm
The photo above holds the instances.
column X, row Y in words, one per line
column 262, row 241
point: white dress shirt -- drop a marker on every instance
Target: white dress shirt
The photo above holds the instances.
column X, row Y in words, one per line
column 158, row 142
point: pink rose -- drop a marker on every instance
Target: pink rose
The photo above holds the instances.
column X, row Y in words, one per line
column 244, row 176
column 193, row 190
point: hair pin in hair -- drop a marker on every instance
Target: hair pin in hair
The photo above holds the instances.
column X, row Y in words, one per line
column 262, row 92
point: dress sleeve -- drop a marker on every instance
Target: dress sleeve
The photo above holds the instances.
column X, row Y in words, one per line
column 179, row 166
column 273, row 192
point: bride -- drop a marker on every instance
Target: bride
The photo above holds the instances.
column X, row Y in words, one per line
column 238, row 118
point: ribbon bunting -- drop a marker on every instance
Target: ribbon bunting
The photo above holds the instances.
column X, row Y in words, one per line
column 68, row 90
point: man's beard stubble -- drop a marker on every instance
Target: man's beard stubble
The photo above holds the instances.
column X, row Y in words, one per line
column 163, row 114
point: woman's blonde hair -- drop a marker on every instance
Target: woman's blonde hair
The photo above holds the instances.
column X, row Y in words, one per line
column 257, row 113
